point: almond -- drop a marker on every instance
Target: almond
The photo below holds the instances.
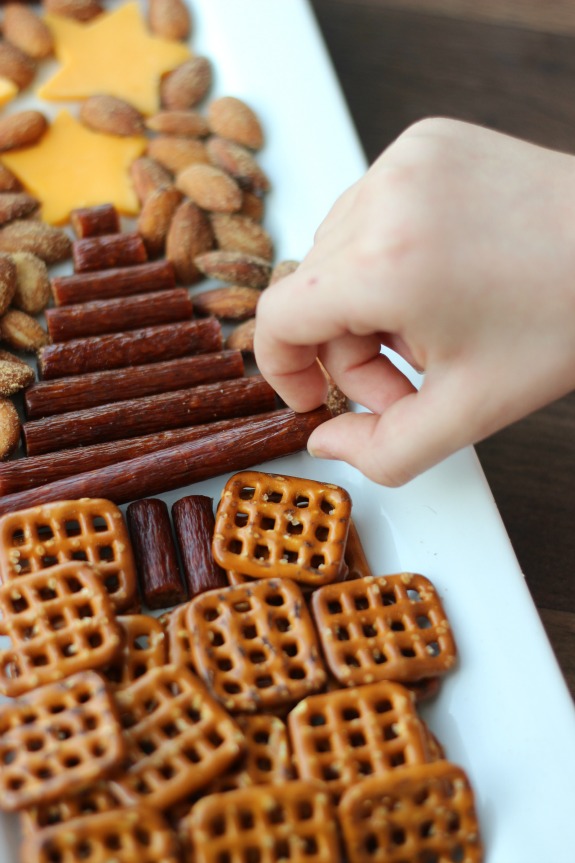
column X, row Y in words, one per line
column 210, row 188
column 189, row 235
column 242, row 337
column 8, row 181
column 232, row 118
column 8, row 281
column 233, row 302
column 239, row 162
column 16, row 65
column 22, row 332
column 283, row 269
column 240, row 234
column 235, row 267
column 21, row 129
column 155, row 218
column 25, row 29
column 175, row 154
column 187, row 85
column 169, row 19
column 147, row 176
column 47, row 242
column 12, row 358
column 33, row 290
column 14, row 377
column 111, row 115
column 9, row 428
column 184, row 124
column 80, row 10
column 16, row 205
column 252, row 207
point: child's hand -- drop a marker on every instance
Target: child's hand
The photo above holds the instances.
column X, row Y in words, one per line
column 457, row 249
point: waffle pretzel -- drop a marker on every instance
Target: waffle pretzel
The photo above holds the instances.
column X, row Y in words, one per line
column 57, row 740
column 98, row 797
column 143, row 646
column 89, row 529
column 390, row 627
column 130, row 835
column 254, row 645
column 177, row 736
column 292, row 821
column 59, row 621
column 423, row 812
column 269, row 525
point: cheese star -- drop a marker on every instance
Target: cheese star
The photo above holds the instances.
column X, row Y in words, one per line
column 71, row 166
column 115, row 54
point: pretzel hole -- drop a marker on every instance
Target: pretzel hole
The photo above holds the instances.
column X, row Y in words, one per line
column 323, row 744
column 356, row 739
column 294, row 528
column 249, row 631
column 369, row 630
column 388, row 597
column 85, row 610
column 43, row 773
column 252, row 855
column 141, row 642
column 317, row 719
column 83, row 696
column 68, row 649
column 426, row 829
column 397, row 626
column 289, row 556
column 95, row 640
column 106, row 553
column 90, row 723
column 48, row 560
column 274, row 599
column 23, row 566
column 276, row 815
column 27, row 633
column 193, row 715
column 192, row 755
column 18, row 604
column 214, row 738
column 246, row 492
column 309, row 845
column 166, row 771
column 361, row 602
column 79, row 555
column 235, row 546
column 389, row 732
column 18, row 536
column 283, row 624
column 304, row 810
column 398, row 837
column 112, row 583
column 290, row 648
column 317, row 561
column 61, row 732
column 225, row 663
column 281, row 849
column 232, row 688
column 264, row 681
column 268, row 523
column 170, row 730
column 383, row 706
column 433, row 648
column 224, row 857
column 334, row 606
column 44, row 532
column 257, row 657
column 83, row 850
column 9, row 756
column 11, row 669
column 74, row 585
column 264, row 764
column 371, row 844
column 423, row 621
column 72, row 527
column 322, row 533
column 414, row 595
column 99, row 523
column 113, row 842
column 245, row 820
column 351, row 660
column 408, row 652
column 217, row 826
column 397, row 759
column 72, row 761
column 378, row 656
column 261, row 552
column 143, row 836
column 301, row 501
column 241, row 519
column 364, row 768
column 330, row 772
column 57, row 708
column 296, row 672
column 211, row 613
column 40, row 660
column 15, row 783
column 458, row 854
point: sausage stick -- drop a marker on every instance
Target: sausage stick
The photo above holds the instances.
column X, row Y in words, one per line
column 155, row 552
column 108, row 251
column 194, row 521
column 116, row 282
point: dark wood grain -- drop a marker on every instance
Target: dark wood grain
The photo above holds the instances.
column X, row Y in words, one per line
column 509, row 65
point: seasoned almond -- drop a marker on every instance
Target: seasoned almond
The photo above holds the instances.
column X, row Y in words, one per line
column 239, row 162
column 16, row 205
column 232, row 302
column 14, row 377
column 169, row 19
column 148, row 175
column 155, row 218
column 80, row 10
column 33, row 290
column 8, row 280
column 22, row 332
column 252, row 206
column 9, row 428
column 187, row 85
column 184, row 124
column 283, row 269
column 240, row 234
column 241, row 337
column 12, row 358
column 232, row 118
column 49, row 243
column 210, row 188
column 235, row 267
column 25, row 29
column 8, row 181
column 189, row 235
column 175, row 154
column 21, row 129
column 16, row 65
column 111, row 115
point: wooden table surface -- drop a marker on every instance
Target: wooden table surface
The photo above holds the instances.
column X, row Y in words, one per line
column 508, row 65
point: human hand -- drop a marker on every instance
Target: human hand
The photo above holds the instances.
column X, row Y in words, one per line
column 457, row 250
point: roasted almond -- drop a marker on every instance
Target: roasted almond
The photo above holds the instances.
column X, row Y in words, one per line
column 8, row 181
column 80, row 10
column 111, row 115
column 21, row 129
column 240, row 234
column 12, row 358
column 210, row 188
column 232, row 118
column 232, row 302
column 184, row 124
column 14, row 377
column 252, row 206
column 16, row 65
column 47, row 242
column 33, row 291
column 237, row 268
column 16, row 205
column 175, row 154
column 148, row 175
column 239, row 162
column 187, row 85
column 155, row 218
column 283, row 269
column 169, row 19
column 9, row 428
column 25, row 29
column 22, row 332
column 8, row 279
column 241, row 337
column 189, row 235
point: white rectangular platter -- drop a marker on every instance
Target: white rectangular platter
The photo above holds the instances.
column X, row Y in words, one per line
column 504, row 714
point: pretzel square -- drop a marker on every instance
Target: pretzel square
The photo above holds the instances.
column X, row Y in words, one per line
column 254, row 645
column 390, row 627
column 143, row 646
column 178, row 738
column 99, row 797
column 424, row 812
column 267, row 757
column 89, row 529
column 130, row 835
column 59, row 621
column 57, row 740
column 341, row 737
column 269, row 525
column 292, row 821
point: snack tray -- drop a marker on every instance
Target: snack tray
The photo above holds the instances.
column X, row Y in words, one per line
column 504, row 714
